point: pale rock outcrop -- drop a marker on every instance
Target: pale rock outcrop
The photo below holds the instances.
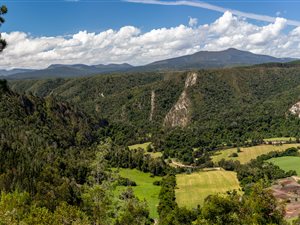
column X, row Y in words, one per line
column 295, row 109
column 152, row 105
column 178, row 116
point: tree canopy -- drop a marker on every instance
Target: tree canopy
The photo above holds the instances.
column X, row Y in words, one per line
column 3, row 10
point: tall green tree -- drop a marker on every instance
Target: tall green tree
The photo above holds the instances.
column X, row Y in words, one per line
column 3, row 10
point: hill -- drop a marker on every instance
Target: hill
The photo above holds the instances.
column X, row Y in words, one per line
column 59, row 70
column 200, row 60
column 214, row 59
column 13, row 71
column 179, row 111
column 37, row 134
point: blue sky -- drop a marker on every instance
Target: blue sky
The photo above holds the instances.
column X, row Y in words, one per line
column 40, row 33
column 58, row 17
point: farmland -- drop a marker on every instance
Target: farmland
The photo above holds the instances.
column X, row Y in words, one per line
column 287, row 163
column 280, row 139
column 193, row 188
column 249, row 153
column 144, row 189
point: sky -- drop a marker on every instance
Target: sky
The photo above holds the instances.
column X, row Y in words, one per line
column 44, row 32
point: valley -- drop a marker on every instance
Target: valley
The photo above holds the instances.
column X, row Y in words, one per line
column 159, row 143
column 149, row 112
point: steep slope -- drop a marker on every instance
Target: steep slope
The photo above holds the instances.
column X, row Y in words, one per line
column 216, row 106
column 36, row 135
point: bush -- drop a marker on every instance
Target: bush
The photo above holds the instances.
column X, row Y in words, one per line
column 126, row 182
column 157, row 183
column 234, row 155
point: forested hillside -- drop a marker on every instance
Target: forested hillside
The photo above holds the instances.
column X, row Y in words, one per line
column 224, row 105
column 63, row 140
column 54, row 166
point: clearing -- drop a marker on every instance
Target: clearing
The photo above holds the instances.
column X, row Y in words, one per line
column 144, row 189
column 280, row 139
column 287, row 163
column 193, row 188
column 250, row 152
column 145, row 146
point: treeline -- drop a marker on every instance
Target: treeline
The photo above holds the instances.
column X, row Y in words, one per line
column 258, row 169
column 121, row 157
column 258, row 206
column 52, row 166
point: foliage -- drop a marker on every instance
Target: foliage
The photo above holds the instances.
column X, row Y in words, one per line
column 259, row 207
column 259, row 169
column 3, row 10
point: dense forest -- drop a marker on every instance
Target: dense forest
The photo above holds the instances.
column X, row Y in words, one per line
column 62, row 141
column 141, row 148
column 225, row 106
column 57, row 168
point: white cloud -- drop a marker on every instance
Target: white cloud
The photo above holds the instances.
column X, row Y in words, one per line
column 193, row 22
column 130, row 44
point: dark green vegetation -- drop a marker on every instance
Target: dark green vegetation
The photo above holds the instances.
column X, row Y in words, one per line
column 228, row 106
column 256, row 207
column 54, row 168
column 3, row 10
column 259, row 169
column 61, row 137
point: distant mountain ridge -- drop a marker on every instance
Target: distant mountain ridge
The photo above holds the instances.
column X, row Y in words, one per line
column 200, row 60
column 13, row 71
column 76, row 70
column 216, row 59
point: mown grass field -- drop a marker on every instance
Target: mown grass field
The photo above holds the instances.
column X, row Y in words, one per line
column 249, row 153
column 144, row 189
column 145, row 146
column 287, row 163
column 280, row 139
column 193, row 188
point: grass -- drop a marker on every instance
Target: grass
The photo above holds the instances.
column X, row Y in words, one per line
column 249, row 153
column 287, row 163
column 193, row 188
column 145, row 146
column 142, row 146
column 280, row 139
column 144, row 189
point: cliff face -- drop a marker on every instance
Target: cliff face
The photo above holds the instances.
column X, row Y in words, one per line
column 152, row 105
column 178, row 116
column 295, row 109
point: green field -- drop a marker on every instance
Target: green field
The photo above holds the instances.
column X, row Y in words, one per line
column 280, row 139
column 144, row 189
column 193, row 188
column 287, row 163
column 249, row 153
column 144, row 146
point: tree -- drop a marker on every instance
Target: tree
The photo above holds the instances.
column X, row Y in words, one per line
column 3, row 10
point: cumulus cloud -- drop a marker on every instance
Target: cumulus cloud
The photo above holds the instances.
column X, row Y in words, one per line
column 193, row 22
column 129, row 44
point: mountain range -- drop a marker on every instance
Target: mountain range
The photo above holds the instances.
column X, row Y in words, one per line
column 200, row 60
